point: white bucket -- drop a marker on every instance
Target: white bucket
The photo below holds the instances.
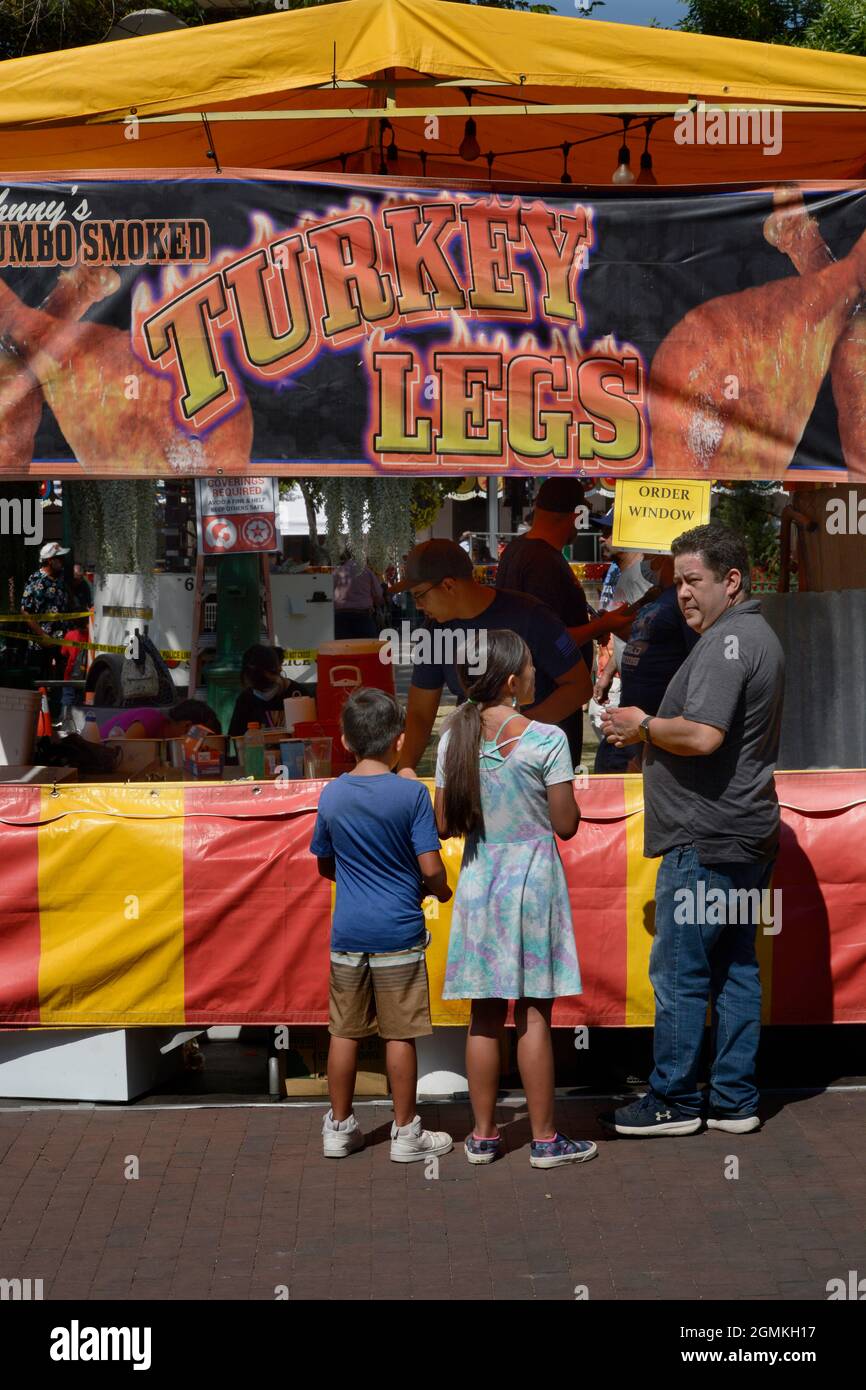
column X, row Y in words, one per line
column 19, row 711
column 299, row 709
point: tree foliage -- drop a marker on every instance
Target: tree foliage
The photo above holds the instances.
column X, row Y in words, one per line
column 747, row 508
column 42, row 26
column 836, row 25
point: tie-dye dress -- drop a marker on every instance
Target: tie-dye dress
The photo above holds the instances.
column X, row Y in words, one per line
column 511, row 930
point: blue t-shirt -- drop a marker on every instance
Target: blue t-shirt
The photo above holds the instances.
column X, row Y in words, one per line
column 553, row 651
column 659, row 643
column 375, row 827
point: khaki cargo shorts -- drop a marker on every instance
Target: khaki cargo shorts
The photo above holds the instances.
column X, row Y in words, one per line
column 380, row 993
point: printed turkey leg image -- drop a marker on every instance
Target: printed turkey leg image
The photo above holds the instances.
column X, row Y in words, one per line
column 20, row 394
column 792, row 231
column 84, row 370
column 734, row 383
column 20, row 411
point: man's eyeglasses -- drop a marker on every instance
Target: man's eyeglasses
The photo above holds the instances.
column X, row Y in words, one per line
column 425, row 592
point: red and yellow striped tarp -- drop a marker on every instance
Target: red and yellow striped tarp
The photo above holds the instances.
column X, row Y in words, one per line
column 201, row 904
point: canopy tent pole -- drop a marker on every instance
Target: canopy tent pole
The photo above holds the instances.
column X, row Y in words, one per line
column 493, row 515
column 420, row 112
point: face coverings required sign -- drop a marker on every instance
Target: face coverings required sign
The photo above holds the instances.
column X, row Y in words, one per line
column 237, row 516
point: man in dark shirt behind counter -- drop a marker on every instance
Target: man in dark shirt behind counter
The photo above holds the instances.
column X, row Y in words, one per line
column 534, row 564
column 438, row 574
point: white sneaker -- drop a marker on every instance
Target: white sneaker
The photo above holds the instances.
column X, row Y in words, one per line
column 743, row 1124
column 340, row 1138
column 413, row 1143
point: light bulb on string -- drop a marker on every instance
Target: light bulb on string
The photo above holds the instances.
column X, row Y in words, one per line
column 391, row 152
column 490, row 156
column 566, row 176
column 623, row 171
column 646, row 177
column 469, row 146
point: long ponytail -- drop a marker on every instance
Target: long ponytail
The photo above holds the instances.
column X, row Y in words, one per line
column 462, row 800
column 505, row 654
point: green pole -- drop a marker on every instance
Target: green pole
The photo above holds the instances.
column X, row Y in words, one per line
column 238, row 626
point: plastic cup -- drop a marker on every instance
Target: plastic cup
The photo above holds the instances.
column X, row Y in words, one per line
column 317, row 758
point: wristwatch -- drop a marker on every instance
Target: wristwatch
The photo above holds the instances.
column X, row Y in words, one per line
column 644, row 730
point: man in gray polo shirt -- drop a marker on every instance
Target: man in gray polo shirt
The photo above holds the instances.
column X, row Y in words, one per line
column 712, row 813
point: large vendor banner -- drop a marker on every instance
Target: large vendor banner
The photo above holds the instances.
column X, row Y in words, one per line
column 224, row 326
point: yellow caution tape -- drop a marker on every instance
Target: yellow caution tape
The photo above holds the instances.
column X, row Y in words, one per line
column 42, row 617
column 44, row 641
column 295, row 656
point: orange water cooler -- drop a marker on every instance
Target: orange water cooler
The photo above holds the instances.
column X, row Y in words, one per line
column 341, row 668
column 345, row 666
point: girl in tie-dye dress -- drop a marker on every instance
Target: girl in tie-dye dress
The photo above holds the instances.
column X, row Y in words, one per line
column 506, row 783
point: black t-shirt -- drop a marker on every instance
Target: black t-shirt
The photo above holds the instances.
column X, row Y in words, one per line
column 250, row 708
column 553, row 652
column 533, row 567
column 659, row 643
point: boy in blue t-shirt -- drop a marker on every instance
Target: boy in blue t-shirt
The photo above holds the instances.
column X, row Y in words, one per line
column 376, row 837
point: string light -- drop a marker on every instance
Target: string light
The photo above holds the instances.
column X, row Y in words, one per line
column 391, row 150
column 646, row 176
column 623, row 172
column 469, row 146
column 469, row 153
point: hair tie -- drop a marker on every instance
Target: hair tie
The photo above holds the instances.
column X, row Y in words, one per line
column 470, row 701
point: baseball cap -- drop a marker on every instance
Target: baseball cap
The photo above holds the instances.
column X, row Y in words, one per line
column 49, row 551
column 560, row 495
column 604, row 523
column 431, row 562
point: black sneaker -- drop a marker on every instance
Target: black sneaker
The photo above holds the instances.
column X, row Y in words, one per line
column 648, row 1116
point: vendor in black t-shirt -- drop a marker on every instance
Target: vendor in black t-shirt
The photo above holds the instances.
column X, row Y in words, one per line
column 438, row 574
column 264, row 690
column 534, row 564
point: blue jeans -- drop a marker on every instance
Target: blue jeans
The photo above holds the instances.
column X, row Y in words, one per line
column 694, row 962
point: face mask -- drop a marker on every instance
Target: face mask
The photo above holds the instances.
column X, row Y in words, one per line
column 647, row 571
column 267, row 694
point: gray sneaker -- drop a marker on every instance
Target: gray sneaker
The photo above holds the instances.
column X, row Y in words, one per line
column 413, row 1143
column 340, row 1138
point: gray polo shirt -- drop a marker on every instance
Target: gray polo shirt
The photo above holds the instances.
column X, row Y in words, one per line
column 725, row 804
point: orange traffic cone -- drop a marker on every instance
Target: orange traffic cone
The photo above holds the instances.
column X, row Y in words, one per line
column 43, row 728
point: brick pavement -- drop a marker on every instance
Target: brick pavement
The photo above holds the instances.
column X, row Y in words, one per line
column 231, row 1203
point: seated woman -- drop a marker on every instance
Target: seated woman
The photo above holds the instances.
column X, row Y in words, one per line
column 264, row 690
column 146, row 722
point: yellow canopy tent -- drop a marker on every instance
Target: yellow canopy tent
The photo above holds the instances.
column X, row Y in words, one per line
column 312, row 89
